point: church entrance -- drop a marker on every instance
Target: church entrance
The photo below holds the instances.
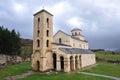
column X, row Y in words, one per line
column 62, row 63
column 54, row 61
column 38, row 66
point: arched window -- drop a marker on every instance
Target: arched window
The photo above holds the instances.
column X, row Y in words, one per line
column 38, row 22
column 47, row 33
column 47, row 43
column 60, row 40
column 47, row 23
column 38, row 43
column 38, row 33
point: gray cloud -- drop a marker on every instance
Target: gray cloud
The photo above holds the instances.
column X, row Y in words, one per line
column 99, row 19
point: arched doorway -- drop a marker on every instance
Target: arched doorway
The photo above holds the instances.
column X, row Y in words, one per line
column 76, row 62
column 62, row 63
column 54, row 61
column 38, row 66
column 71, row 63
column 80, row 62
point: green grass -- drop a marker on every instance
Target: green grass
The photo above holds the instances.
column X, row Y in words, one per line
column 105, row 69
column 101, row 68
column 63, row 76
column 24, row 67
column 107, row 56
column 14, row 70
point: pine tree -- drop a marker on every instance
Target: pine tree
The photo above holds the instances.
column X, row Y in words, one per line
column 9, row 41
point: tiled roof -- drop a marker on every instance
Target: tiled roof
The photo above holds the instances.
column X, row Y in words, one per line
column 61, row 44
column 43, row 10
column 76, row 29
column 76, row 51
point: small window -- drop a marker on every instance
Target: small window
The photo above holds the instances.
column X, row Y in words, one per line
column 47, row 43
column 47, row 23
column 38, row 33
column 38, row 43
column 38, row 22
column 60, row 40
column 47, row 33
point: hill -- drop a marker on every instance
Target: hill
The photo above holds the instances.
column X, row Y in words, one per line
column 117, row 51
column 26, row 42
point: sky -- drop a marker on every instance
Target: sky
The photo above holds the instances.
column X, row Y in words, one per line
column 99, row 20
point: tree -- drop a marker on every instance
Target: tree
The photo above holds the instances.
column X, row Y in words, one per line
column 9, row 41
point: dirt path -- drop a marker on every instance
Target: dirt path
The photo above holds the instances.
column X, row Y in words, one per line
column 92, row 74
column 19, row 76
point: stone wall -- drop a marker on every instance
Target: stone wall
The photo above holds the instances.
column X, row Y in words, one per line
column 6, row 59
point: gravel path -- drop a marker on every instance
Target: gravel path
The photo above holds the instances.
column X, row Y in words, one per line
column 19, row 76
column 111, row 77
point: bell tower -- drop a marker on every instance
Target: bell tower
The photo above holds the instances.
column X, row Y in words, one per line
column 42, row 39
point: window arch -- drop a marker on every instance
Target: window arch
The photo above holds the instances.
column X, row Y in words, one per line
column 38, row 33
column 60, row 40
column 38, row 22
column 47, row 43
column 38, row 43
column 47, row 33
column 47, row 23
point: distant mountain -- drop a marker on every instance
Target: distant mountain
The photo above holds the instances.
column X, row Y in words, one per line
column 26, row 42
column 94, row 50
column 117, row 50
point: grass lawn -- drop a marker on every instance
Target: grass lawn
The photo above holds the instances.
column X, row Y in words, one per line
column 107, row 56
column 14, row 70
column 106, row 69
column 24, row 67
column 100, row 68
column 63, row 76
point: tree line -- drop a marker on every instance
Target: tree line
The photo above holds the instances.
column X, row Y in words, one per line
column 9, row 41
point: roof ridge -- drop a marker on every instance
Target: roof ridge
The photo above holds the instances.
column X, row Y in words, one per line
column 43, row 10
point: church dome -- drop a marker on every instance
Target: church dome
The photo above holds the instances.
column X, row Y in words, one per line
column 76, row 32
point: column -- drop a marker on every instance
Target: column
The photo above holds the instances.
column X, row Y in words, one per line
column 58, row 65
column 66, row 65
column 74, row 63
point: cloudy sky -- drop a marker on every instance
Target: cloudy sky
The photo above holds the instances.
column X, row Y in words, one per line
column 99, row 19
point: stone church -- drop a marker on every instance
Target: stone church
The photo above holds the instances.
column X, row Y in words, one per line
column 59, row 52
